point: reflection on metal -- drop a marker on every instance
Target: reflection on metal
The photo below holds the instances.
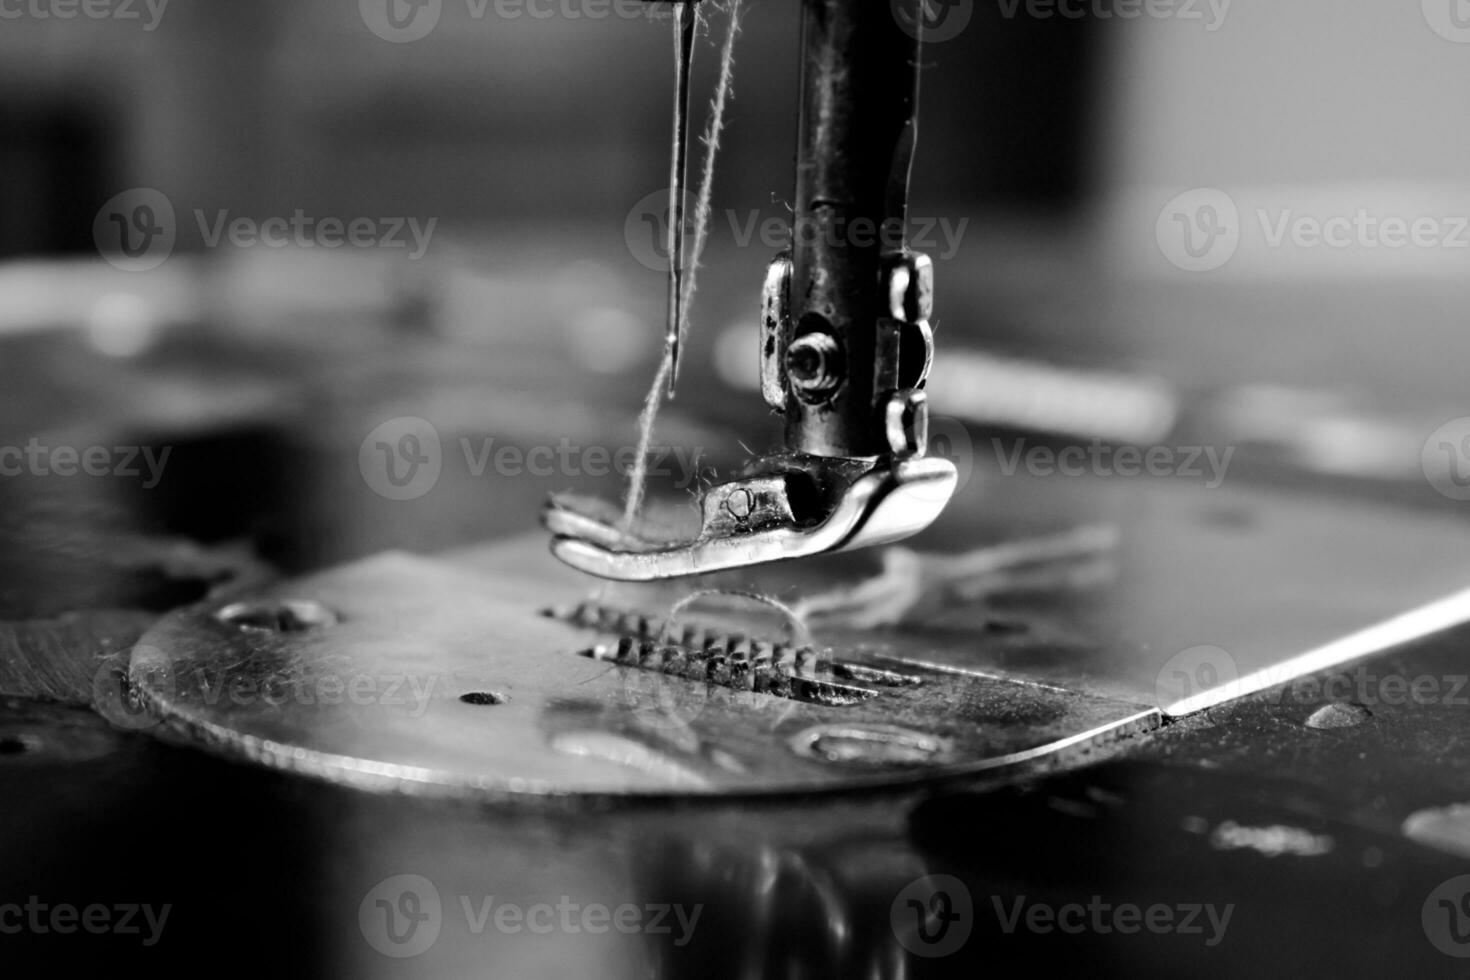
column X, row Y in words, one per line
column 1450, row 611
column 884, row 502
column 1209, row 594
column 286, row 616
column 386, row 697
column 870, row 745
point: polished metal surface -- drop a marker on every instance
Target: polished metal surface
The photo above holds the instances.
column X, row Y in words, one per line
column 1021, row 646
column 438, row 678
column 884, row 504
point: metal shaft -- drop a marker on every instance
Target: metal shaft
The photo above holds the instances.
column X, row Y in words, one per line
column 859, row 94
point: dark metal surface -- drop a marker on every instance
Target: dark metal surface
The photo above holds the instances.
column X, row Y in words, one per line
column 855, row 144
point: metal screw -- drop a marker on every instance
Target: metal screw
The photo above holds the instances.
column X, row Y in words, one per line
column 740, row 503
column 287, row 616
column 814, row 363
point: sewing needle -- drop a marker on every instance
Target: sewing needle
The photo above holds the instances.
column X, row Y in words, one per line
column 685, row 21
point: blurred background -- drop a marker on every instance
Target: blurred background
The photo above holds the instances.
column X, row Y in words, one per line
column 503, row 162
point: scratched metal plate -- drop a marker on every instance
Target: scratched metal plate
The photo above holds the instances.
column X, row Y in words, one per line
column 442, row 675
column 438, row 678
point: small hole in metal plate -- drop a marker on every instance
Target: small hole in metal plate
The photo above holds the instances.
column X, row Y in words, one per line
column 484, row 699
column 286, row 616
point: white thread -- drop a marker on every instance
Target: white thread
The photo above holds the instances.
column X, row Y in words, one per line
column 638, row 478
column 795, row 624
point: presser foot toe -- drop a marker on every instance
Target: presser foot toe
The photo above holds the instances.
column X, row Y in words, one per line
column 793, row 507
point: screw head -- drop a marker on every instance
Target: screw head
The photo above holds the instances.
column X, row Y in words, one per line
column 815, row 365
column 740, row 503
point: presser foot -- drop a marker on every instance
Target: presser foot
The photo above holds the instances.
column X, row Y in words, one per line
column 790, row 507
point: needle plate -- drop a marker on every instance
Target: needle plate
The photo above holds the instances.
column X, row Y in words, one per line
column 497, row 670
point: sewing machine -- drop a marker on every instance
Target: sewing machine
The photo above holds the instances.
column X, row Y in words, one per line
column 878, row 703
